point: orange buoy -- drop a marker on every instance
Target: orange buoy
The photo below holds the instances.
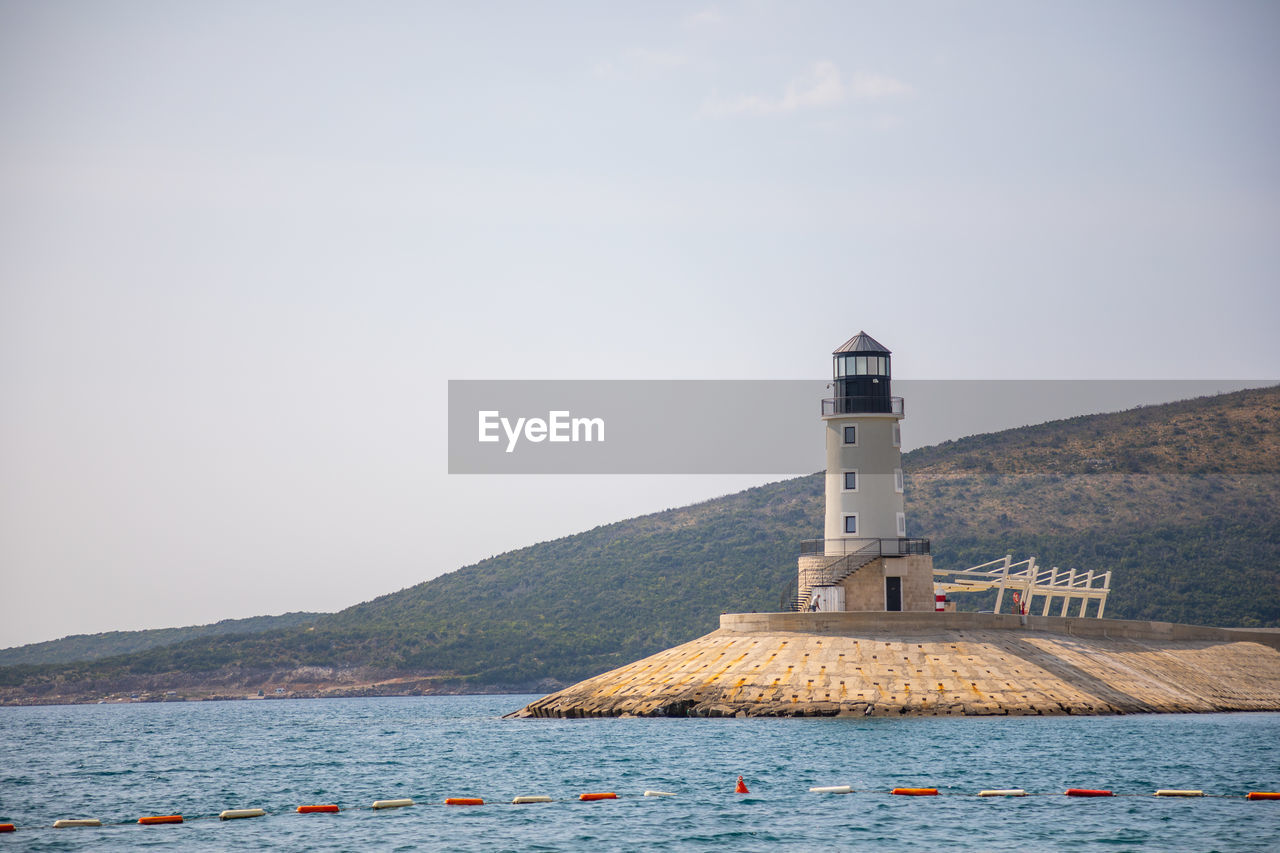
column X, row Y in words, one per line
column 1088, row 792
column 741, row 787
column 1263, row 795
column 915, row 792
column 317, row 809
column 7, row 827
column 464, row 801
column 607, row 796
column 164, row 818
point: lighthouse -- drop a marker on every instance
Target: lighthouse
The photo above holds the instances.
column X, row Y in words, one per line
column 865, row 561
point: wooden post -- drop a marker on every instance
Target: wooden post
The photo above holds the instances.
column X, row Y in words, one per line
column 1048, row 596
column 1066, row 599
column 1027, row 593
column 1004, row 579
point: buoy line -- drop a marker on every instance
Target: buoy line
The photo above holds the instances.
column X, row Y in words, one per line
column 399, row 803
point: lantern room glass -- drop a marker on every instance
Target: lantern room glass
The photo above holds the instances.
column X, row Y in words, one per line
column 861, row 365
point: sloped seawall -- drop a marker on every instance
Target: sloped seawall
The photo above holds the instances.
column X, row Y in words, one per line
column 889, row 664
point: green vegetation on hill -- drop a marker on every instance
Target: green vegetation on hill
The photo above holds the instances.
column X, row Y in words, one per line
column 1181, row 502
column 84, row 647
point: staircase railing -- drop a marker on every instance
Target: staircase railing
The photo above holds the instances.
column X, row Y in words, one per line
column 849, row 555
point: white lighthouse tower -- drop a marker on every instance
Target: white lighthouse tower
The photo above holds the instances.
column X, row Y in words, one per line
column 865, row 560
column 864, row 456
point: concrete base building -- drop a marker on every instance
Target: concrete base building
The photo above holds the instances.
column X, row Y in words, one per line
column 882, row 584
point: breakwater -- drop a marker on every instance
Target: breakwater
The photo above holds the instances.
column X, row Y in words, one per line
column 936, row 664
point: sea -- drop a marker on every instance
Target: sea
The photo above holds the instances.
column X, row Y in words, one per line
column 120, row 762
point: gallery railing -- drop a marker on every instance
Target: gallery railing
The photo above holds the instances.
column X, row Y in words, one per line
column 882, row 547
column 861, row 405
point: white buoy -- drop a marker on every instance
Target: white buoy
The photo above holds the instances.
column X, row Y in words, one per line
column 658, row 794
column 832, row 789
column 1003, row 792
column 1176, row 792
column 392, row 804
column 532, row 798
column 65, row 822
column 232, row 814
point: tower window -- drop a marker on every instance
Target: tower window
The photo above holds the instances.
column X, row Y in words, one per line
column 851, row 523
column 902, row 524
column 897, row 435
column 850, row 435
column 851, row 481
column 897, row 480
column 861, row 365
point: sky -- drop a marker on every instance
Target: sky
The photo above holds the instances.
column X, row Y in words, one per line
column 244, row 246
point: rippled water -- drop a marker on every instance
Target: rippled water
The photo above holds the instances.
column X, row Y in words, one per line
column 120, row 762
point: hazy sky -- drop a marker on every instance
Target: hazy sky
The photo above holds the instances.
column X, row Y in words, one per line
column 244, row 245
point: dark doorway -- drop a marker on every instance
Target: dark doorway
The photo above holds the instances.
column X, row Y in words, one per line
column 893, row 593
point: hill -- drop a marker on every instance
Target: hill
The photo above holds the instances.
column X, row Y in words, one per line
column 84, row 647
column 1181, row 501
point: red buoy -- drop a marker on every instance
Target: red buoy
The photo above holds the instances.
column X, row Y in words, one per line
column 163, row 818
column 606, row 796
column 317, row 809
column 1088, row 792
column 741, row 787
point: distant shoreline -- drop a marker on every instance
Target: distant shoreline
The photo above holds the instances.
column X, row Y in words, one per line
column 408, row 686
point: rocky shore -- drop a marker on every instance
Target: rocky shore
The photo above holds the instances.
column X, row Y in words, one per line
column 298, row 683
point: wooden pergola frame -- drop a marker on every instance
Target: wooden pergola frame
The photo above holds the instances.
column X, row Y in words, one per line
column 1029, row 581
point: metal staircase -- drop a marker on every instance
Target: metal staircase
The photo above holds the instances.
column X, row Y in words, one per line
column 837, row 570
column 851, row 562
